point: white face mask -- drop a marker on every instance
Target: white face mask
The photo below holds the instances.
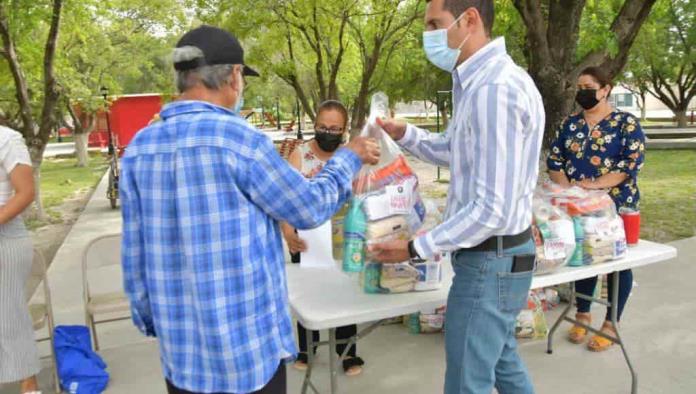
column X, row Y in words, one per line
column 437, row 49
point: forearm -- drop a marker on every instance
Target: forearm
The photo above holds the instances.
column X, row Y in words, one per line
column 430, row 147
column 288, row 197
column 608, row 181
column 286, row 228
column 559, row 177
column 15, row 206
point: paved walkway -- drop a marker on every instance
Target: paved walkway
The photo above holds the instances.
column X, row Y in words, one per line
column 658, row 328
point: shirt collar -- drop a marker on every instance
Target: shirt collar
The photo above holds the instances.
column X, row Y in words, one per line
column 177, row 108
column 465, row 72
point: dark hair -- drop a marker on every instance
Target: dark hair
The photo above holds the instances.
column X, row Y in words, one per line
column 599, row 75
column 485, row 8
column 334, row 105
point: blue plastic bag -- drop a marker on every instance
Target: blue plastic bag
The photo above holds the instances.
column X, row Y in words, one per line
column 80, row 369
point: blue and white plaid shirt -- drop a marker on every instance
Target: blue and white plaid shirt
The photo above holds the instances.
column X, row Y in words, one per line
column 202, row 193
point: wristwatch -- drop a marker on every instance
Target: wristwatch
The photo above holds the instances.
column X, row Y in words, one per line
column 413, row 254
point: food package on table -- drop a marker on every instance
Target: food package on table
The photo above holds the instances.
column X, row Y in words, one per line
column 430, row 272
column 554, row 235
column 379, row 278
column 386, row 207
column 531, row 322
column 605, row 239
column 599, row 232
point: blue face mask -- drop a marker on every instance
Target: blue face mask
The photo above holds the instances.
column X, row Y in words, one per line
column 238, row 107
column 437, row 49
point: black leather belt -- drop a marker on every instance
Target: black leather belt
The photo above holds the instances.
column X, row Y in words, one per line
column 505, row 241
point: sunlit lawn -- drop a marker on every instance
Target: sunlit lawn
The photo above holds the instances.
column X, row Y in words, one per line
column 668, row 188
column 61, row 179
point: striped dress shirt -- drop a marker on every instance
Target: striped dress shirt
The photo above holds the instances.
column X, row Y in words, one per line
column 202, row 193
column 491, row 146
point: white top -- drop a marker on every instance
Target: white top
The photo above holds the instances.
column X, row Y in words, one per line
column 13, row 151
column 337, row 300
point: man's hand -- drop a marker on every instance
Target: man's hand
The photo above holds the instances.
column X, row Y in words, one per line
column 295, row 243
column 390, row 252
column 394, row 128
column 367, row 149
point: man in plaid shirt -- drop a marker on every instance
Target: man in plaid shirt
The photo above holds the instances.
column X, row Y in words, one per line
column 202, row 193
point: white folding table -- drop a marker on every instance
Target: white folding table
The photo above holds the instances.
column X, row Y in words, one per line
column 325, row 299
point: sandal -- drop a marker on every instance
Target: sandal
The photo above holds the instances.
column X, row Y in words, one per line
column 301, row 362
column 352, row 366
column 599, row 343
column 577, row 334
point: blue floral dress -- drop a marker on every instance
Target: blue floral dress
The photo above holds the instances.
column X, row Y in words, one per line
column 614, row 145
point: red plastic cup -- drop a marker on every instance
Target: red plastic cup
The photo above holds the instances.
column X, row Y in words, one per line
column 631, row 226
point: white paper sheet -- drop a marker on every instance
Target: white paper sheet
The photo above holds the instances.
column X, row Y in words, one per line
column 319, row 252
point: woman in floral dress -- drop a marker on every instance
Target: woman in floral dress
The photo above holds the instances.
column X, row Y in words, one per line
column 599, row 148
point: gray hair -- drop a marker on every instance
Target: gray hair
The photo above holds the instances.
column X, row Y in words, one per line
column 212, row 77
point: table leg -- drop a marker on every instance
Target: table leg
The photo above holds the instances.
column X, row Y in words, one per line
column 614, row 320
column 307, row 383
column 561, row 318
column 332, row 359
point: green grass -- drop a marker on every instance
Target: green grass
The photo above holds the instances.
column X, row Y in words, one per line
column 61, row 180
column 63, row 139
column 668, row 195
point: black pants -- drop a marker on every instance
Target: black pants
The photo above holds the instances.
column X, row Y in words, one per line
column 277, row 385
column 341, row 333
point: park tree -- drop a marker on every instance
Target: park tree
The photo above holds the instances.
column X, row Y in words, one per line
column 379, row 28
column 322, row 49
column 663, row 63
column 100, row 41
column 36, row 115
column 301, row 42
column 565, row 36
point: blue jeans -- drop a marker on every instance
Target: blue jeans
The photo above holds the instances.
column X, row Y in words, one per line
column 482, row 307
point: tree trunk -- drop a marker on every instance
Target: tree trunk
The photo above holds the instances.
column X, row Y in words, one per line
column 643, row 108
column 558, row 99
column 360, row 107
column 81, row 151
column 36, row 153
column 682, row 120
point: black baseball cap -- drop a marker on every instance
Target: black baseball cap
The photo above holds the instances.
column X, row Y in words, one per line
column 218, row 47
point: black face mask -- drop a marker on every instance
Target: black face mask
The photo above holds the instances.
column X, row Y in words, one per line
column 587, row 98
column 328, row 142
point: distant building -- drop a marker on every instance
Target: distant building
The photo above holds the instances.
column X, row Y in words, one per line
column 655, row 109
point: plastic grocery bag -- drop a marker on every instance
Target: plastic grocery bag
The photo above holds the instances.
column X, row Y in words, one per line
column 392, row 165
column 599, row 231
column 554, row 234
column 386, row 207
column 531, row 322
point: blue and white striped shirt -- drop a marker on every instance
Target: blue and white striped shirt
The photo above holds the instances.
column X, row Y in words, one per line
column 492, row 147
column 202, row 194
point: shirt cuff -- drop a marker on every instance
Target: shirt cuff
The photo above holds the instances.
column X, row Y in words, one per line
column 348, row 159
column 143, row 324
column 425, row 246
column 410, row 138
